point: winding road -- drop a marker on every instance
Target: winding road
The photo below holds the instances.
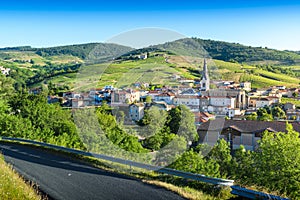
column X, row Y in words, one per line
column 65, row 178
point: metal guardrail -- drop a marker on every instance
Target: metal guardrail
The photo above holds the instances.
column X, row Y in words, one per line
column 251, row 194
column 236, row 190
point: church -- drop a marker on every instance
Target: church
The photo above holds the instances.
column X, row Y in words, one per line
column 204, row 83
column 220, row 101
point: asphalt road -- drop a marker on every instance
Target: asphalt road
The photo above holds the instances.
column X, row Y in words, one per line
column 64, row 178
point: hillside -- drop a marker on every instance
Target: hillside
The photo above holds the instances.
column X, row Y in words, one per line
column 228, row 61
column 82, row 51
column 226, row 51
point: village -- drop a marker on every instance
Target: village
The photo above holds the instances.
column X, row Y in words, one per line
column 228, row 100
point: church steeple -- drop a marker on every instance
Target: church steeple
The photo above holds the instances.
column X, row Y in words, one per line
column 205, row 78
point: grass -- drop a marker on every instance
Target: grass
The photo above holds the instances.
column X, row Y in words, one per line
column 12, row 186
column 186, row 192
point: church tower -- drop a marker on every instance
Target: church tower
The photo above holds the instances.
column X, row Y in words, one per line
column 204, row 83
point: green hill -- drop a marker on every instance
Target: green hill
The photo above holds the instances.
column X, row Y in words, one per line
column 228, row 61
column 226, row 51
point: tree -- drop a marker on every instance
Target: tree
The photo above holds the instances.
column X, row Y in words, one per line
column 278, row 113
column 252, row 116
column 153, row 142
column 242, row 165
column 181, row 121
column 191, row 161
column 153, row 121
column 169, row 153
column 221, row 154
column 49, row 121
column 6, row 87
column 277, row 162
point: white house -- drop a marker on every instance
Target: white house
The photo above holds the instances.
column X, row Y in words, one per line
column 191, row 101
column 222, row 101
column 4, row 71
column 262, row 102
column 221, row 104
column 234, row 112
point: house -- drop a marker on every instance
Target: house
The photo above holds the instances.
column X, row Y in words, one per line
column 153, row 93
column 190, row 91
column 293, row 114
column 201, row 117
column 166, row 97
column 246, row 86
column 125, row 96
column 143, row 56
column 292, row 91
column 37, row 90
column 109, row 87
column 203, row 103
column 4, row 71
column 239, row 132
column 53, row 99
column 136, row 111
column 71, row 95
column 289, row 106
column 162, row 105
column 191, row 101
column 232, row 112
column 281, row 87
column 239, row 95
column 81, row 102
column 222, row 101
column 221, row 105
column 264, row 101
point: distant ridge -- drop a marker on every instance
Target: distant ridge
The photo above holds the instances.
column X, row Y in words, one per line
column 233, row 52
column 220, row 50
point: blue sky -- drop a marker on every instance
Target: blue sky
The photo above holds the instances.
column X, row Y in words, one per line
column 273, row 24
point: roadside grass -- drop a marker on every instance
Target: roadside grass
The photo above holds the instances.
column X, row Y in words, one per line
column 12, row 186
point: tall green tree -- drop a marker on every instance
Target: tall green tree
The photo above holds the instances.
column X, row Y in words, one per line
column 277, row 162
column 181, row 121
column 221, row 154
